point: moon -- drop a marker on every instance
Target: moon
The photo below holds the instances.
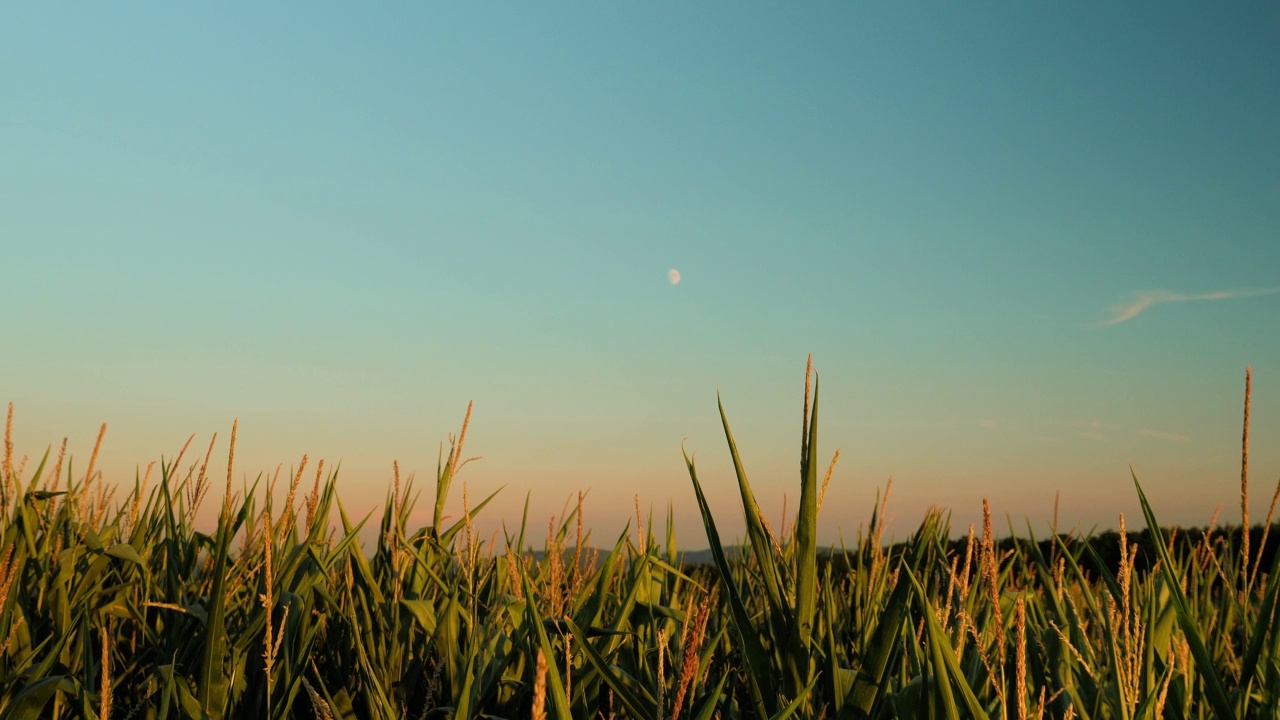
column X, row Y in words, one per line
column 674, row 276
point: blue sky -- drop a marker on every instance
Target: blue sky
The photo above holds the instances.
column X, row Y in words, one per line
column 340, row 224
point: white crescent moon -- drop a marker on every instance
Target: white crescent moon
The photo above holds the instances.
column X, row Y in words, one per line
column 674, row 276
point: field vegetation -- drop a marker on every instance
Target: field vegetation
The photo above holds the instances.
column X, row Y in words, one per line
column 113, row 605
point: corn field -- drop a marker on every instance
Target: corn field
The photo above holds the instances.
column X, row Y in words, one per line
column 115, row 606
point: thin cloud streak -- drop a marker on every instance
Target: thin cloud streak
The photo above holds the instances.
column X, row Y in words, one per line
column 1144, row 300
column 1161, row 435
column 1102, row 432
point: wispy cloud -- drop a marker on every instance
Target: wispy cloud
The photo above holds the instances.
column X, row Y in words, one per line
column 1092, row 429
column 1101, row 432
column 1141, row 301
column 1160, row 435
column 988, row 423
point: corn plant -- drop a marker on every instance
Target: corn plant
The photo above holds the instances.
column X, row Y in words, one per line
column 113, row 603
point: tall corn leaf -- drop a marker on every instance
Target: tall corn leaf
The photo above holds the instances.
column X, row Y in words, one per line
column 802, row 698
column 868, row 685
column 760, row 678
column 1268, row 622
column 806, row 549
column 212, row 687
column 1204, row 662
column 559, row 700
column 709, row 705
column 761, row 543
column 30, row 702
column 634, row 705
column 944, row 658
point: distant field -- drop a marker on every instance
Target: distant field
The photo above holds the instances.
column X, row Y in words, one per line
column 115, row 606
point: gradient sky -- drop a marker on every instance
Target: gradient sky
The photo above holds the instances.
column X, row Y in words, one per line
column 340, row 223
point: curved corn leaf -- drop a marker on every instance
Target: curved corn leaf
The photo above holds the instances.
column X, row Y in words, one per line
column 760, row 678
column 1203, row 661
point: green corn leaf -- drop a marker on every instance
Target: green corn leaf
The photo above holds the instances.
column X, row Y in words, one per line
column 806, row 550
column 1268, row 622
column 761, row 544
column 761, row 676
column 944, row 658
column 801, row 699
column 35, row 477
column 211, row 686
column 709, row 705
column 869, row 683
column 635, row 706
column 837, row 678
column 424, row 612
column 1204, row 662
column 29, row 703
column 559, row 700
column 446, row 538
column 125, row 551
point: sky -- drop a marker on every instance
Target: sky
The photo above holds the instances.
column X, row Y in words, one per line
column 1029, row 245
